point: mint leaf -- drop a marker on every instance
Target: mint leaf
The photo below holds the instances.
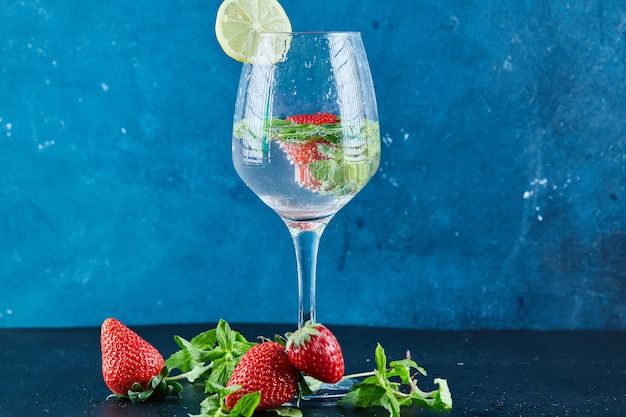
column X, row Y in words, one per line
column 222, row 370
column 381, row 359
column 439, row 399
column 309, row 384
column 288, row 411
column 348, row 167
column 206, row 338
column 192, row 352
column 403, row 368
column 211, row 356
column 286, row 131
column 180, row 360
column 246, row 404
column 195, row 353
column 443, row 395
column 210, row 407
column 198, row 372
column 395, row 386
column 363, row 395
column 225, row 336
column 390, row 403
column 213, row 405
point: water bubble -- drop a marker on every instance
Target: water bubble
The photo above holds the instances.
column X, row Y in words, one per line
column 507, row 65
column 46, row 144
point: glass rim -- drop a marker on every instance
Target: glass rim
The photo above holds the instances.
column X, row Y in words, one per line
column 344, row 33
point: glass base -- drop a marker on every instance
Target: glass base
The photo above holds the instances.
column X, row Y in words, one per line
column 326, row 395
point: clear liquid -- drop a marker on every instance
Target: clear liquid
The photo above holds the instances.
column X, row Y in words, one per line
column 305, row 172
column 279, row 183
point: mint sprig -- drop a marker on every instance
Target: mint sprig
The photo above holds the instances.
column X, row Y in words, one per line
column 290, row 132
column 384, row 387
column 211, row 356
column 286, row 131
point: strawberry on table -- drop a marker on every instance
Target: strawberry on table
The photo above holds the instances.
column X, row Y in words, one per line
column 131, row 366
column 315, row 350
column 265, row 368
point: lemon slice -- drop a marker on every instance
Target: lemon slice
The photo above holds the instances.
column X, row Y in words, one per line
column 237, row 22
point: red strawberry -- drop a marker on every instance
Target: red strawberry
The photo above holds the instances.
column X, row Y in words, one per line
column 265, row 368
column 307, row 152
column 301, row 155
column 318, row 118
column 127, row 358
column 314, row 350
column 304, row 153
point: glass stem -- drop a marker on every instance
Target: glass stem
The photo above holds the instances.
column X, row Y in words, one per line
column 306, row 238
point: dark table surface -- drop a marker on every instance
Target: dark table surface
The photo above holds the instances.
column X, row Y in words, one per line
column 56, row 372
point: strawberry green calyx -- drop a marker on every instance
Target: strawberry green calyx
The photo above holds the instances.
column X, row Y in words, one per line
column 302, row 336
column 160, row 386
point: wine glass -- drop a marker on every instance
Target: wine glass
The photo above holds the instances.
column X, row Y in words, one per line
column 306, row 137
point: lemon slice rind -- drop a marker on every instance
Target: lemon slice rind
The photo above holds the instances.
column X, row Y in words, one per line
column 237, row 23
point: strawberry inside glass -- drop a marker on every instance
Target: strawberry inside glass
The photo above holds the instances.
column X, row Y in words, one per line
column 301, row 155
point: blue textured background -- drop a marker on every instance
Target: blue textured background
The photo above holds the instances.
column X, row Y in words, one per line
column 500, row 202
